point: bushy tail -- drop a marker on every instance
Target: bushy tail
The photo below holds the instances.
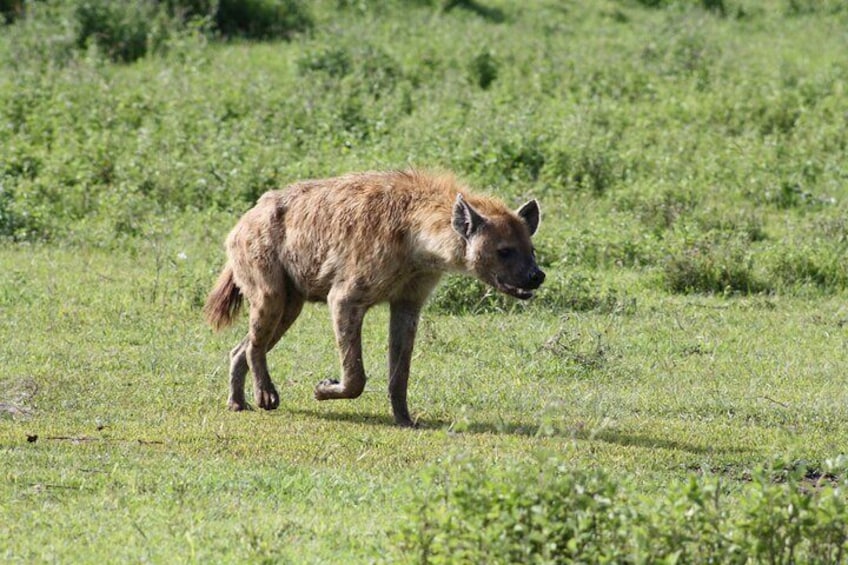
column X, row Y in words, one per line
column 224, row 301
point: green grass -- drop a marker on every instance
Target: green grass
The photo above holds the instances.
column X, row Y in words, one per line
column 689, row 158
column 137, row 458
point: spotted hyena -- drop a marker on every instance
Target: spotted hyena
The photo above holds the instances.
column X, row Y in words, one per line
column 356, row 241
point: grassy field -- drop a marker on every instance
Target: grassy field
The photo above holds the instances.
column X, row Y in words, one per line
column 690, row 160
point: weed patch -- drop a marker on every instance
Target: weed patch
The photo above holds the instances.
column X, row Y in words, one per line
column 822, row 266
column 713, row 265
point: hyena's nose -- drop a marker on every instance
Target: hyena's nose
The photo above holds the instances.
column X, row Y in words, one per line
column 537, row 277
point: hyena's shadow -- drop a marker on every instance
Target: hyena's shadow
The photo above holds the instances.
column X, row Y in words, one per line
column 427, row 423
column 622, row 438
column 526, row 429
column 367, row 418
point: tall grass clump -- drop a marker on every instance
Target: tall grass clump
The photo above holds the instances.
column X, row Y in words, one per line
column 713, row 264
column 821, row 265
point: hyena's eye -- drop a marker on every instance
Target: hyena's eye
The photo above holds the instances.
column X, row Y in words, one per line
column 506, row 252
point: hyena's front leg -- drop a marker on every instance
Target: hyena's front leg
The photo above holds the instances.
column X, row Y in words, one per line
column 347, row 324
column 403, row 324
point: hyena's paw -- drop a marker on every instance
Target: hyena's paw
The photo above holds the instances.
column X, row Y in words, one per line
column 237, row 405
column 328, row 388
column 267, row 398
column 405, row 422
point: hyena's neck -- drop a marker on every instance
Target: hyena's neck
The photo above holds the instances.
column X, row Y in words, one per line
column 439, row 248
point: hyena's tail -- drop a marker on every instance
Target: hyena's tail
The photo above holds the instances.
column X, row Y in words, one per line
column 224, row 301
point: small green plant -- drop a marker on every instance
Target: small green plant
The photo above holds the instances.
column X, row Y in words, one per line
column 335, row 61
column 561, row 292
column 484, row 69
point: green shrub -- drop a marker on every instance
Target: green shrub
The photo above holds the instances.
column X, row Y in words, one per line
column 661, row 211
column 550, row 513
column 10, row 10
column 494, row 15
column 744, row 224
column 715, row 6
column 253, row 19
column 9, row 222
column 483, row 69
column 128, row 31
column 334, row 61
column 458, row 295
column 811, row 7
column 511, row 157
column 262, row 19
column 125, row 31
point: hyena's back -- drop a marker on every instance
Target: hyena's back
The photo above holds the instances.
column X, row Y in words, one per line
column 365, row 232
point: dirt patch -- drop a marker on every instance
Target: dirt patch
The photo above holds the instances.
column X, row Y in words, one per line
column 16, row 398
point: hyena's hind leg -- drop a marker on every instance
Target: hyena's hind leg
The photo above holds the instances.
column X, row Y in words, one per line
column 238, row 371
column 266, row 396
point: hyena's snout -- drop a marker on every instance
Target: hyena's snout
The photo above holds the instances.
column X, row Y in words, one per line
column 521, row 286
column 535, row 277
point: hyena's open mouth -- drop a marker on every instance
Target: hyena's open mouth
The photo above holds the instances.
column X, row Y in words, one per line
column 517, row 292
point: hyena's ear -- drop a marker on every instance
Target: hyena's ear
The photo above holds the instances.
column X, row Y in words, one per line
column 466, row 220
column 531, row 215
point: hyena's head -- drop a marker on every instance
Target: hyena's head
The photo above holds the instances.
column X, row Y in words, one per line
column 498, row 249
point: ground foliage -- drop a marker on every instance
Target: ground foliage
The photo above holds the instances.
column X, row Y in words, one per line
column 689, row 157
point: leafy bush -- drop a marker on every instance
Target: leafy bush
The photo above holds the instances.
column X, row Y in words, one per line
column 128, row 31
column 125, row 31
column 716, row 6
column 810, row 7
column 262, row 19
column 10, row 10
column 554, row 514
column 483, row 69
column 335, row 61
column 459, row 295
column 549, row 516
